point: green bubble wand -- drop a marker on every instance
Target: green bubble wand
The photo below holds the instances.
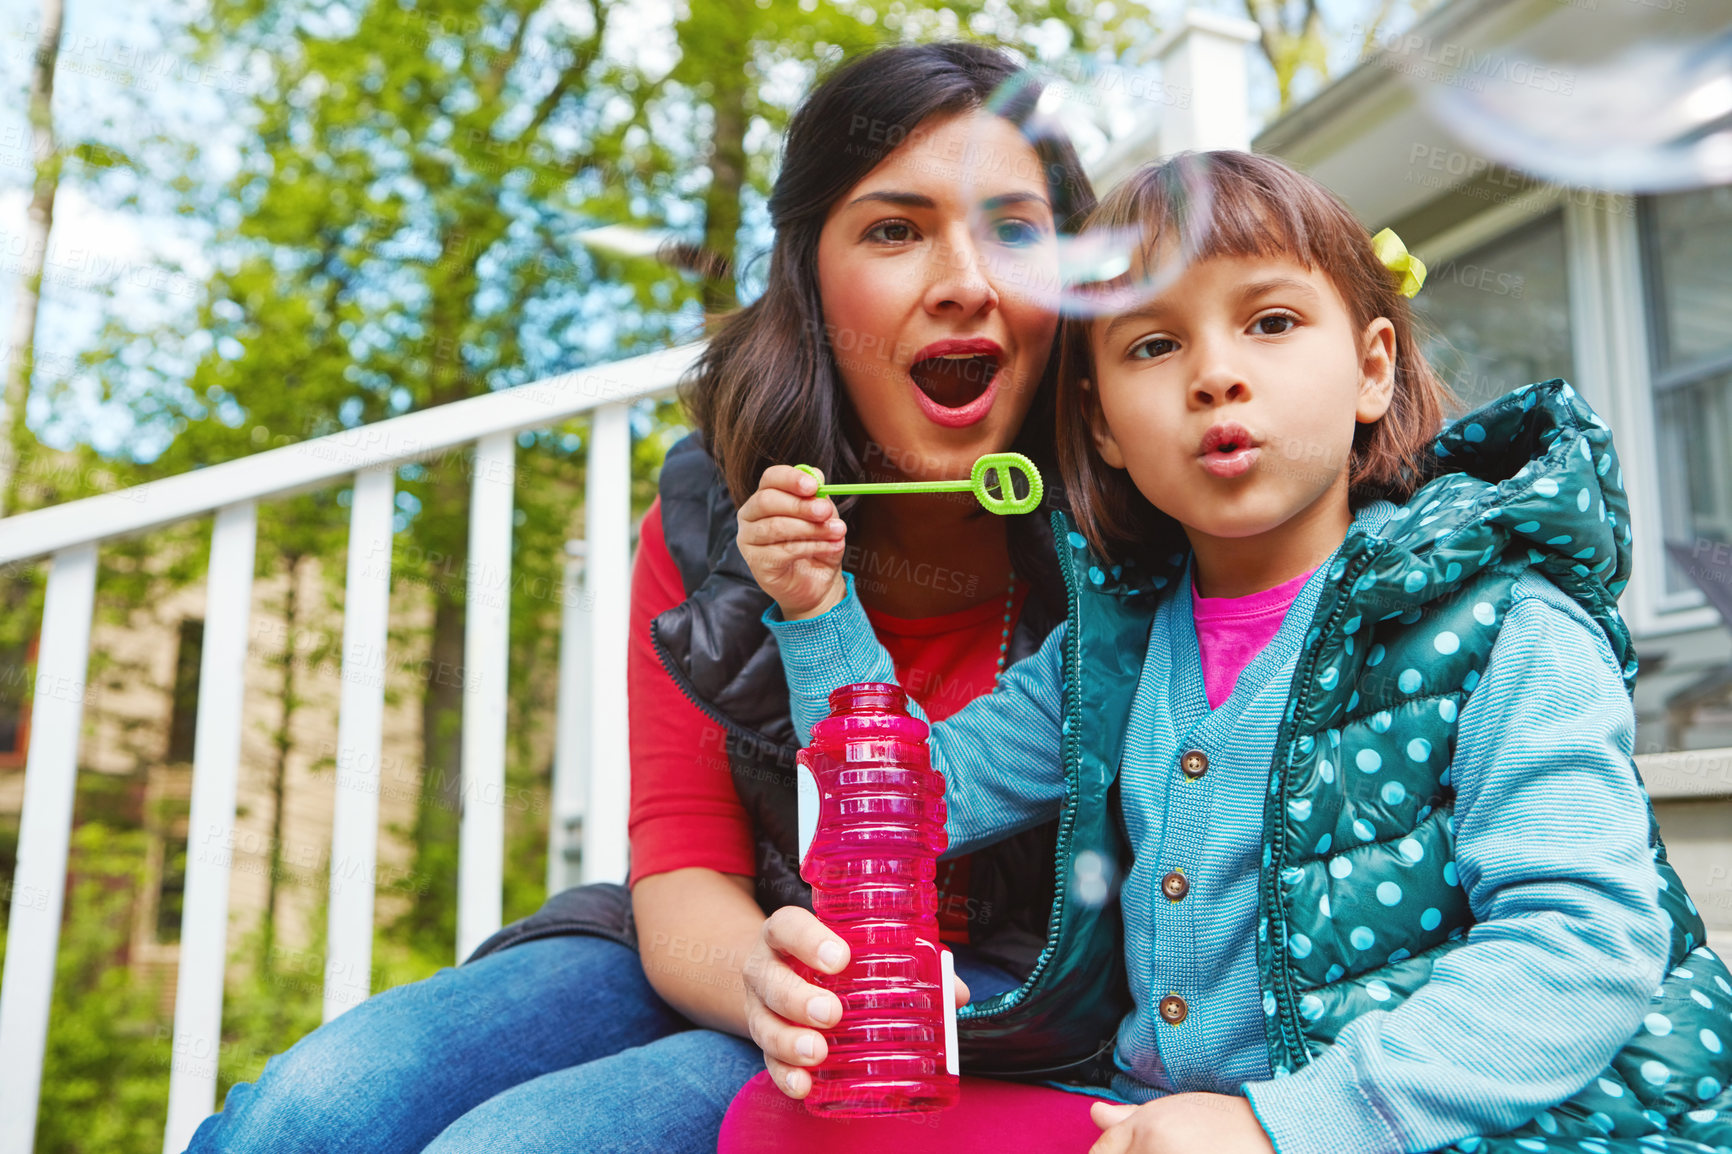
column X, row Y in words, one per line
column 993, row 483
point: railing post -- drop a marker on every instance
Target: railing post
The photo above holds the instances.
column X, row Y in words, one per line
column 607, row 571
column 44, row 832
column 1203, row 60
column 571, row 727
column 360, row 734
column 198, row 992
column 486, row 657
column 592, row 783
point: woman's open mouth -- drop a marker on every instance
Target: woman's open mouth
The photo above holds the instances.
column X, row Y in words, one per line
column 955, row 381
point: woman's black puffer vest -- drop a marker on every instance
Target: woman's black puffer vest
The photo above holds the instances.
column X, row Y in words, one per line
column 717, row 650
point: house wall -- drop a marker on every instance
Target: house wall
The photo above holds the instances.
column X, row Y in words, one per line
column 127, row 725
column 1374, row 139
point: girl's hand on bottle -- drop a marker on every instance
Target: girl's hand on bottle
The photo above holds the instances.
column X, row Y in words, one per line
column 793, row 540
column 784, row 1012
column 1180, row 1124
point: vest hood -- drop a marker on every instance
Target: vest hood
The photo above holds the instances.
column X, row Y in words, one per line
column 1532, row 478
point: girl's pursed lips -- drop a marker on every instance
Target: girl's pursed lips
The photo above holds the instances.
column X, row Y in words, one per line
column 1229, row 435
column 1233, row 464
column 1228, row 450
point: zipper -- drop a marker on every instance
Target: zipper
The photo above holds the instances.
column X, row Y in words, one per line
column 1281, row 985
column 1067, row 816
column 1104, row 1050
column 685, row 687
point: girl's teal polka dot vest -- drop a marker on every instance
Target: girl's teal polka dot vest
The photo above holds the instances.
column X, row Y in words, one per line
column 1359, row 894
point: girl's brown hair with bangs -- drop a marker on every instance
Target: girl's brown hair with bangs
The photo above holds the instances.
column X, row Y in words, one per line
column 1237, row 204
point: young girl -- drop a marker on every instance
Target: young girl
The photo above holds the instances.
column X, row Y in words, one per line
column 1358, row 693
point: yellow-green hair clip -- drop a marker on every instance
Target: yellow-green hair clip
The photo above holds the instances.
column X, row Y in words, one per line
column 1398, row 260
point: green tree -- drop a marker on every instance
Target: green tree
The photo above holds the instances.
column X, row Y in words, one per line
column 1298, row 44
column 105, row 1079
column 409, row 204
column 40, row 217
column 403, row 233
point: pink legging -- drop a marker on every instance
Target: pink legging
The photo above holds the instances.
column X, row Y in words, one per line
column 992, row 1118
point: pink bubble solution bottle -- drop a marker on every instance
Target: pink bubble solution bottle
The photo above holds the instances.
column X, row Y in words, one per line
column 871, row 830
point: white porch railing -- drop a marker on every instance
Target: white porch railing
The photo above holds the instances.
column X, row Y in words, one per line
column 590, row 763
column 1201, row 105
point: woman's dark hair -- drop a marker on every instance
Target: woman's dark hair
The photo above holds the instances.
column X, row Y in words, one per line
column 1251, row 206
column 766, row 390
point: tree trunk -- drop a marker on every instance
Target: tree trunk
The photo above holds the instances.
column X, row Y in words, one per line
column 1291, row 39
column 443, row 534
column 284, row 742
column 727, row 173
column 37, row 227
column 433, row 917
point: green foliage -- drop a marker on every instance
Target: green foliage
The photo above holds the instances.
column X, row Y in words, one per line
column 110, row 1041
column 272, row 998
column 105, row 1077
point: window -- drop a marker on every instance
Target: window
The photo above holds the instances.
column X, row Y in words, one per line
column 162, row 896
column 1499, row 316
column 1687, row 246
column 172, row 828
column 15, row 663
column 183, row 707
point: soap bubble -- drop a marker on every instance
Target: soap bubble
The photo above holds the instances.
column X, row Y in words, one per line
column 1653, row 117
column 1110, row 115
column 1093, row 877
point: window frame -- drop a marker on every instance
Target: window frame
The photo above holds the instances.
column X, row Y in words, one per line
column 1686, row 606
column 163, row 784
column 1612, row 331
column 1505, row 221
column 180, row 737
column 1620, row 287
column 1666, row 378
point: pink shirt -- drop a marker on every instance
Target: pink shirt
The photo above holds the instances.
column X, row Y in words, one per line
column 992, row 1117
column 1231, row 631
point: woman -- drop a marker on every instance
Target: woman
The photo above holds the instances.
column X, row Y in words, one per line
column 894, row 340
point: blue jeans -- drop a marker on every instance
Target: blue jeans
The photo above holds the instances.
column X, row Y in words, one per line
column 555, row 1045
